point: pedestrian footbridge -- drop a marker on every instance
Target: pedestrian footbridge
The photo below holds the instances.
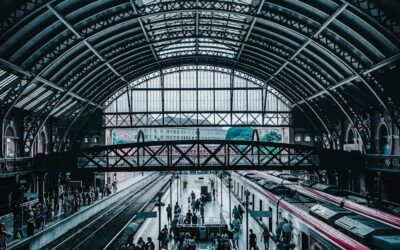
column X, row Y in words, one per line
column 197, row 155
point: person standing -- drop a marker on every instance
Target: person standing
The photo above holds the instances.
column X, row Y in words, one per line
column 235, row 212
column 150, row 245
column 213, row 193
column 202, row 212
column 30, row 227
column 141, row 243
column 253, row 240
column 177, row 209
column 3, row 236
column 193, row 205
column 169, row 212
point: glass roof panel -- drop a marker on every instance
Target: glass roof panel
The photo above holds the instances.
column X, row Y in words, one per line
column 180, row 84
column 147, row 2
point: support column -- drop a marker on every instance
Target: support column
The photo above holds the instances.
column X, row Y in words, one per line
column 40, row 177
column 343, row 179
column 362, row 182
column 395, row 140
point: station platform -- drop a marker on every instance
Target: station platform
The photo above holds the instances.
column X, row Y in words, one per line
column 213, row 211
column 60, row 216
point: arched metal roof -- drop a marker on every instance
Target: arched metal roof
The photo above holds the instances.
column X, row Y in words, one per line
column 331, row 58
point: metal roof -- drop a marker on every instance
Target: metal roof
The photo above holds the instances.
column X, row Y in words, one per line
column 332, row 58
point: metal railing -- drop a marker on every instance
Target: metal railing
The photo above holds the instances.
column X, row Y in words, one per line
column 382, row 162
column 15, row 164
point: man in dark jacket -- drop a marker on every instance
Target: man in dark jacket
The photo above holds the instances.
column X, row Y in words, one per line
column 253, row 240
column 169, row 212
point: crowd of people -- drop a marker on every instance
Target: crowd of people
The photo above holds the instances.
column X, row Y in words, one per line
column 72, row 200
column 142, row 245
column 37, row 215
column 197, row 205
column 226, row 240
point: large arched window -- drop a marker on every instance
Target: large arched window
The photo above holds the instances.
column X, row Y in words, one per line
column 197, row 95
column 350, row 139
column 41, row 144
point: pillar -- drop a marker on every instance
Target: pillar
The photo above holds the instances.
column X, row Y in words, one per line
column 395, row 140
column 343, row 179
column 40, row 177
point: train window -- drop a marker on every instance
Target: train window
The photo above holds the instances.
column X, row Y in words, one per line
column 270, row 220
column 317, row 247
column 304, row 241
column 261, row 208
column 241, row 193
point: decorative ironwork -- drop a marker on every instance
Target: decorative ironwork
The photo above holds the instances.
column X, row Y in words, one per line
column 313, row 53
column 197, row 119
column 199, row 155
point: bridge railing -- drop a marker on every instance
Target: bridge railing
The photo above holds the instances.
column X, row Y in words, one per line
column 198, row 154
column 382, row 162
column 15, row 164
column 176, row 160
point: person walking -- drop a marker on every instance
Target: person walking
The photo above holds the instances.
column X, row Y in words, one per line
column 236, row 224
column 236, row 239
column 197, row 205
column 265, row 236
column 193, row 205
column 253, row 240
column 193, row 195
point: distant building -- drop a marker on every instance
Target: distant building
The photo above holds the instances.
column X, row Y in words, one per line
column 126, row 135
column 283, row 131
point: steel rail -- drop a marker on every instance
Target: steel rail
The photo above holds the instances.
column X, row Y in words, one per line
column 104, row 213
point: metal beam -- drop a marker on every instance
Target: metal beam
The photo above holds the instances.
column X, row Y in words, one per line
column 197, row 29
column 309, row 39
column 377, row 66
column 88, row 45
column 46, row 82
column 155, row 157
column 144, row 31
column 250, row 29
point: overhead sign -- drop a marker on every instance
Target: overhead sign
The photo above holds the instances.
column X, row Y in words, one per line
column 144, row 215
column 257, row 214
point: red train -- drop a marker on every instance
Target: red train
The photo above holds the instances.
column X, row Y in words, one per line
column 316, row 191
column 315, row 225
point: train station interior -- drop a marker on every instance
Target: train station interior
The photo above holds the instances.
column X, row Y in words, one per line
column 200, row 124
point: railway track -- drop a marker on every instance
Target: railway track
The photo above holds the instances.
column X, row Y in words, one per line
column 99, row 231
column 120, row 239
